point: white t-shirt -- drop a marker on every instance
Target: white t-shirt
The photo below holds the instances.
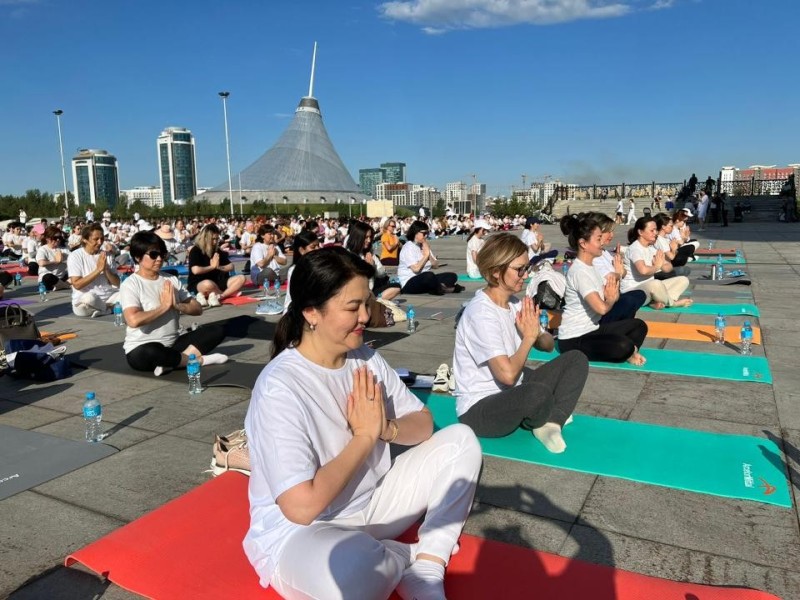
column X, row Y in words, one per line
column 635, row 253
column 529, row 238
column 144, row 293
column 604, row 264
column 80, row 264
column 484, row 331
column 662, row 243
column 257, row 254
column 296, row 423
column 248, row 240
column 474, row 245
column 46, row 253
column 410, row 254
column 579, row 318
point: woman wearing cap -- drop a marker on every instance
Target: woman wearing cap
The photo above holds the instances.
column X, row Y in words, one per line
column 326, row 498
column 495, row 392
column 152, row 305
column 532, row 237
column 643, row 261
column 416, row 262
column 589, row 297
column 475, row 242
column 209, row 269
column 95, row 284
column 164, row 231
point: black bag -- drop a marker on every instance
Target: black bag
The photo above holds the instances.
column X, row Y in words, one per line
column 548, row 298
column 16, row 323
column 40, row 366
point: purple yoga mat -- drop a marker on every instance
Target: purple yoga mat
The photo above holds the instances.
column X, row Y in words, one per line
column 16, row 301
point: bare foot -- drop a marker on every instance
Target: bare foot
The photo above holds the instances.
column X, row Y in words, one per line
column 657, row 305
column 637, row 359
column 683, row 302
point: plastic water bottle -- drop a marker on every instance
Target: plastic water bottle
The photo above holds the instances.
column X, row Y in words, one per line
column 118, row 322
column 92, row 416
column 412, row 325
column 720, row 268
column 738, row 255
column 42, row 292
column 18, row 279
column 747, row 339
column 564, row 268
column 544, row 321
column 710, row 244
column 277, row 288
column 719, row 329
column 193, row 372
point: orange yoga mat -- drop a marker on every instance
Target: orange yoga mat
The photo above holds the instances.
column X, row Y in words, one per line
column 696, row 333
column 192, row 548
column 239, row 300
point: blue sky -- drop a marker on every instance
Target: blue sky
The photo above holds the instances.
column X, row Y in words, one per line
column 585, row 90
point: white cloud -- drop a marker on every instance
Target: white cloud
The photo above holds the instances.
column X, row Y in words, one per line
column 439, row 16
column 661, row 4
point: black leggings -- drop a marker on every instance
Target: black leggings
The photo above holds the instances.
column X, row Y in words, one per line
column 625, row 307
column 547, row 394
column 6, row 278
column 611, row 342
column 429, row 282
column 50, row 281
column 682, row 255
column 155, row 354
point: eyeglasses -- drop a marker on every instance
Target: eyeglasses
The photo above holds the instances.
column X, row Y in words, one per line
column 521, row 271
column 155, row 254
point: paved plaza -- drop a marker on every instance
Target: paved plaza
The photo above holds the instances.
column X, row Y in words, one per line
column 164, row 438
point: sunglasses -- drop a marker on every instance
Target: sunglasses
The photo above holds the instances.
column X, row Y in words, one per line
column 155, row 254
column 522, row 271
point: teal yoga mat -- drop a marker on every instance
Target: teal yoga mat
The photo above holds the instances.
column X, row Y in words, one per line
column 465, row 277
column 700, row 308
column 713, row 261
column 730, row 367
column 732, row 466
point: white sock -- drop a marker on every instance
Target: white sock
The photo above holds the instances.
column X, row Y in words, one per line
column 400, row 549
column 97, row 313
column 569, row 420
column 550, row 436
column 214, row 359
column 423, row 580
column 158, row 371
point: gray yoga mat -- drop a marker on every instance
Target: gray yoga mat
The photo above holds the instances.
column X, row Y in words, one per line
column 435, row 313
column 28, row 458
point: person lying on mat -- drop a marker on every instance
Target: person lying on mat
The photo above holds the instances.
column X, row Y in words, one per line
column 495, row 392
column 643, row 261
column 152, row 305
column 611, row 264
column 95, row 283
column 416, row 262
column 589, row 297
column 210, row 268
column 326, row 499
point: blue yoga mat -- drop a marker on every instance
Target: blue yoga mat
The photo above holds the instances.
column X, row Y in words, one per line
column 700, row 308
column 732, row 466
column 713, row 261
column 730, row 367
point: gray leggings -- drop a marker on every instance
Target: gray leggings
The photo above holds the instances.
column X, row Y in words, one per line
column 548, row 394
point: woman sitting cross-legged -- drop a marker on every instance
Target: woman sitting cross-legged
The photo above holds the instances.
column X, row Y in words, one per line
column 92, row 275
column 359, row 242
column 416, row 262
column 51, row 257
column 326, row 499
column 210, row 268
column 589, row 297
column 495, row 392
column 152, row 305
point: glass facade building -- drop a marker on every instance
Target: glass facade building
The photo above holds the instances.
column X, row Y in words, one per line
column 395, row 172
column 95, row 177
column 177, row 165
column 369, row 179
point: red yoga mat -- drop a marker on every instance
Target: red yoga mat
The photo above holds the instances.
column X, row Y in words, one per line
column 237, row 300
column 192, row 548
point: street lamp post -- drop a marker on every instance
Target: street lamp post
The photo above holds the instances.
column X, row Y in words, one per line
column 58, row 114
column 224, row 96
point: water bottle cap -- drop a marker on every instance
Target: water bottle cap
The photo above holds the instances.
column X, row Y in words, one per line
column 747, row 323
column 192, row 357
column 90, row 395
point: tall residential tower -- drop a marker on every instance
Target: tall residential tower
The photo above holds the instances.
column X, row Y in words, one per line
column 176, row 165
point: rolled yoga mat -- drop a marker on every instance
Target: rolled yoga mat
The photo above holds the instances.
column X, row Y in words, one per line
column 174, row 552
column 696, row 333
column 700, row 308
column 730, row 367
column 719, row 464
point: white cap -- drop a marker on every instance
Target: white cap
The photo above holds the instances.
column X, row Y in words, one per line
column 688, row 212
column 482, row 224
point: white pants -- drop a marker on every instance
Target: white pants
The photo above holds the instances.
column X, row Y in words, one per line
column 666, row 291
column 345, row 559
column 90, row 302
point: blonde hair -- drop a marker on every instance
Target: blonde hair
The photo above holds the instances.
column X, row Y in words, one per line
column 496, row 254
column 204, row 239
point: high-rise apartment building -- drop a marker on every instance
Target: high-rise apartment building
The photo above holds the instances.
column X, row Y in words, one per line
column 369, row 179
column 148, row 195
column 176, row 165
column 95, row 177
column 394, row 172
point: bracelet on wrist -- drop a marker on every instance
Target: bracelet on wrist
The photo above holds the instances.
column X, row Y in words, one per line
column 396, row 427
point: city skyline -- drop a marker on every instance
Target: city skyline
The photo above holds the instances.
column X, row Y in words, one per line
column 586, row 92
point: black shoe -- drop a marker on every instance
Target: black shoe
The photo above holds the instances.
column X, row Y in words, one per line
column 457, row 289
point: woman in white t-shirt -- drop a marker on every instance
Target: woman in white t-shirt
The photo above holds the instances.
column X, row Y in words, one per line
column 152, row 305
column 266, row 257
column 532, row 237
column 643, row 261
column 326, row 500
column 95, row 284
column 416, row 262
column 589, row 297
column 475, row 242
column 495, row 392
column 670, row 247
column 52, row 260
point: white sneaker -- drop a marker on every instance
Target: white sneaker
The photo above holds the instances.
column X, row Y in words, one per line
column 213, row 300
column 441, row 383
column 201, row 299
column 451, row 383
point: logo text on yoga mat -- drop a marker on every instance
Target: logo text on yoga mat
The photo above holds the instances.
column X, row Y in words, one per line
column 9, row 478
column 749, row 481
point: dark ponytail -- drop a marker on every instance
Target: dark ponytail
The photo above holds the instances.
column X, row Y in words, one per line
column 578, row 227
column 318, row 277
